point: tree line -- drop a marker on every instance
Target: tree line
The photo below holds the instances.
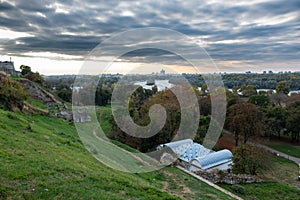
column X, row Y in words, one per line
column 260, row 81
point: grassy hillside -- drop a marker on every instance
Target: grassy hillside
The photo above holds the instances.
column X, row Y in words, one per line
column 264, row 191
column 37, row 104
column 43, row 158
column 287, row 149
column 283, row 183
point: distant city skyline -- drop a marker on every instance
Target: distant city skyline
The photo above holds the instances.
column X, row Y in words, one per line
column 54, row 37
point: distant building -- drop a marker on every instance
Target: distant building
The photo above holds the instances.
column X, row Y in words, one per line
column 8, row 67
column 162, row 72
column 196, row 157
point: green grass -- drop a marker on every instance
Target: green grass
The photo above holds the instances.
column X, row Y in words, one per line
column 287, row 149
column 16, row 78
column 281, row 176
column 281, row 170
column 264, row 191
column 43, row 158
column 104, row 115
column 37, row 103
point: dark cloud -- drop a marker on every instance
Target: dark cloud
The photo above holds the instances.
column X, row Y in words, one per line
column 4, row 6
column 75, row 27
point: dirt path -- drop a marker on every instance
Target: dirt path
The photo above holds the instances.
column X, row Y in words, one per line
column 185, row 189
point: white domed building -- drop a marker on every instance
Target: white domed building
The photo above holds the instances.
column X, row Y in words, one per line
column 197, row 157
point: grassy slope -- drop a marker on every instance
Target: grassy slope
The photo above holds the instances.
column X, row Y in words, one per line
column 287, row 149
column 43, row 158
column 265, row 191
column 37, row 103
column 282, row 171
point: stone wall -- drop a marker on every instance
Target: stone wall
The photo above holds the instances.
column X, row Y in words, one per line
column 8, row 67
column 226, row 177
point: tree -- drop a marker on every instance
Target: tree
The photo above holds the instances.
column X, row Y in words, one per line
column 235, row 89
column 139, row 106
column 202, row 129
column 261, row 101
column 248, row 159
column 12, row 94
column 154, row 89
column 282, row 88
column 276, row 119
column 293, row 120
column 248, row 90
column 35, row 77
column 204, row 89
column 205, row 105
column 278, row 98
column 64, row 92
column 25, row 69
column 232, row 98
column 245, row 121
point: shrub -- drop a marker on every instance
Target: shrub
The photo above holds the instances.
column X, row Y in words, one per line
column 12, row 94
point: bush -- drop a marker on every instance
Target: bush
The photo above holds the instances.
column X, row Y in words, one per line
column 248, row 159
column 35, row 77
column 12, row 94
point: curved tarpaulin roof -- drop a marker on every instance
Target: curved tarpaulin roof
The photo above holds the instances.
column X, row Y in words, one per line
column 194, row 151
column 179, row 147
column 213, row 159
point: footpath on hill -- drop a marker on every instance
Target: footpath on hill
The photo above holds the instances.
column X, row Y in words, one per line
column 291, row 158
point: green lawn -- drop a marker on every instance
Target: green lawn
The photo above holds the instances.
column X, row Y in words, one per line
column 37, row 103
column 287, row 149
column 264, row 191
column 16, row 78
column 104, row 115
column 281, row 170
column 43, row 158
column 281, row 176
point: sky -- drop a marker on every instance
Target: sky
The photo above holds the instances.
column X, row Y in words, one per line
column 55, row 37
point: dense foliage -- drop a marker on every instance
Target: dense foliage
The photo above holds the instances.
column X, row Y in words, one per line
column 260, row 81
column 272, row 107
column 245, row 121
column 248, row 159
column 33, row 76
column 12, row 94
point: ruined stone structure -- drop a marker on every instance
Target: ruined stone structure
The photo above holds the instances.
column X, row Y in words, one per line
column 81, row 115
column 228, row 178
column 8, row 67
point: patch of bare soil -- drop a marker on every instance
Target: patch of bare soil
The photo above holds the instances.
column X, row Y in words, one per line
column 181, row 189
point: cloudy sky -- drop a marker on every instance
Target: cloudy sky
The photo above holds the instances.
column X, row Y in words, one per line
column 54, row 37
